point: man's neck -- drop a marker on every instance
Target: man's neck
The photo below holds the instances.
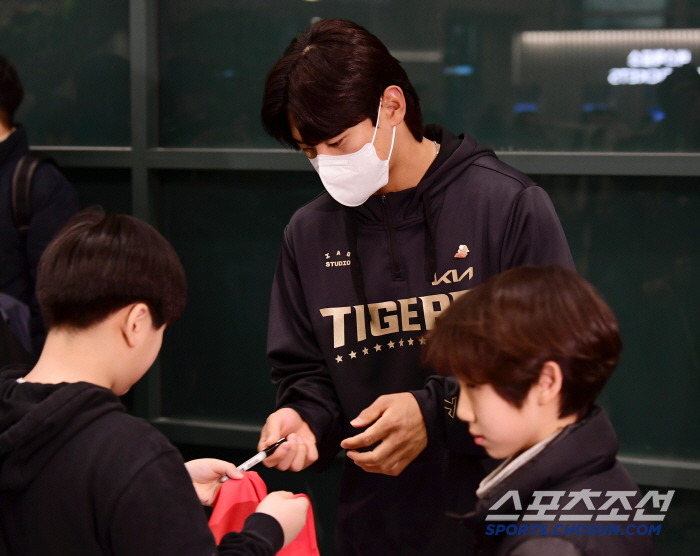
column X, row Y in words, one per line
column 409, row 162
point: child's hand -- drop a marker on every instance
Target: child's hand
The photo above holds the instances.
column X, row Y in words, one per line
column 289, row 512
column 206, row 475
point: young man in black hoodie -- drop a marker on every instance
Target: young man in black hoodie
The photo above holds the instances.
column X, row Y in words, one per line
column 412, row 218
column 532, row 349
column 77, row 474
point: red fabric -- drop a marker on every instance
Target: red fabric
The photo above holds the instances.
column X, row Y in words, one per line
column 238, row 498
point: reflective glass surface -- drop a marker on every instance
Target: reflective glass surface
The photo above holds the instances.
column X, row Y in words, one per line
column 72, row 57
column 109, row 188
column 637, row 240
column 227, row 229
column 560, row 75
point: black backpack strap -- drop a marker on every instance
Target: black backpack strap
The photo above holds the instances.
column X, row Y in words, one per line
column 22, row 189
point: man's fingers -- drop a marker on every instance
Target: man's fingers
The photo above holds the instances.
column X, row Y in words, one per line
column 372, row 435
column 286, row 462
column 392, row 463
column 272, row 429
column 393, row 471
column 371, row 413
column 312, row 455
column 299, row 461
column 382, row 454
column 379, row 462
column 278, row 455
column 361, row 440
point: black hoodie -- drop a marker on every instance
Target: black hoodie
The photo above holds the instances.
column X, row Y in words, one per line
column 80, row 476
column 395, row 258
column 582, row 456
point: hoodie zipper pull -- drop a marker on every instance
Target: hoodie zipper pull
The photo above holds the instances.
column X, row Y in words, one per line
column 393, row 242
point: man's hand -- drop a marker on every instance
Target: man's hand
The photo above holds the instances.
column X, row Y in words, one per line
column 300, row 449
column 206, row 475
column 400, row 427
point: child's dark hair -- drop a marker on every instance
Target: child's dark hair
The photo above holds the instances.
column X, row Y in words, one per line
column 331, row 78
column 503, row 331
column 11, row 91
column 98, row 264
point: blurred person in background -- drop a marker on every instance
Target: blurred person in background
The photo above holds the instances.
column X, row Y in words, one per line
column 52, row 200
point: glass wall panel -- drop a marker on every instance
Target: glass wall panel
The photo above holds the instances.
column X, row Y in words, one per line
column 227, row 228
column 558, row 75
column 73, row 60
column 638, row 241
column 108, row 187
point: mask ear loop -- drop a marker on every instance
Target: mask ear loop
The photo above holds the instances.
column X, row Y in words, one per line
column 393, row 131
column 393, row 136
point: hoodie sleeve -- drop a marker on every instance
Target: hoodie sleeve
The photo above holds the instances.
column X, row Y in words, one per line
column 438, row 403
column 159, row 513
column 298, row 366
column 533, row 233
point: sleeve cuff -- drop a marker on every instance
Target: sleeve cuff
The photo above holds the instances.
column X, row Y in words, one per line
column 438, row 403
column 264, row 527
column 328, row 434
column 432, row 414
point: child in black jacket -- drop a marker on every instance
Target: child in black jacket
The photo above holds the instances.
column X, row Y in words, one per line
column 532, row 348
column 77, row 474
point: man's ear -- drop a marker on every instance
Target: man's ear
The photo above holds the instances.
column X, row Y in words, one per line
column 394, row 101
column 136, row 321
column 550, row 382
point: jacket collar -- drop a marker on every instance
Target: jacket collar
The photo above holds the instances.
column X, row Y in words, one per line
column 560, row 460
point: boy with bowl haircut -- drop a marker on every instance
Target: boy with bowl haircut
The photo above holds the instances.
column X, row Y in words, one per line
column 77, row 474
column 532, row 348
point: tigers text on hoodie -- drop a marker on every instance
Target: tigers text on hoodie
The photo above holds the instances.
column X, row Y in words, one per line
column 354, row 293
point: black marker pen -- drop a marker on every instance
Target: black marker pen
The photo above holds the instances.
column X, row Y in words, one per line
column 257, row 458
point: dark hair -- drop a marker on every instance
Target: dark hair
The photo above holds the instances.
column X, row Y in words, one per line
column 503, row 331
column 98, row 264
column 330, row 79
column 11, row 91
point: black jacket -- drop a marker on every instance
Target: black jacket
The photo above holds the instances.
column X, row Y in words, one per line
column 582, row 456
column 80, row 476
column 394, row 257
column 53, row 201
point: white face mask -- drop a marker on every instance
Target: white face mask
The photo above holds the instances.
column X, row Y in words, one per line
column 351, row 179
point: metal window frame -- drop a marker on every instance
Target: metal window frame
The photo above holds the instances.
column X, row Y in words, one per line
column 145, row 158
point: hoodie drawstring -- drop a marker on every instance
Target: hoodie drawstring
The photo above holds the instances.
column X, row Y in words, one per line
column 430, row 257
column 356, row 267
column 358, row 280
